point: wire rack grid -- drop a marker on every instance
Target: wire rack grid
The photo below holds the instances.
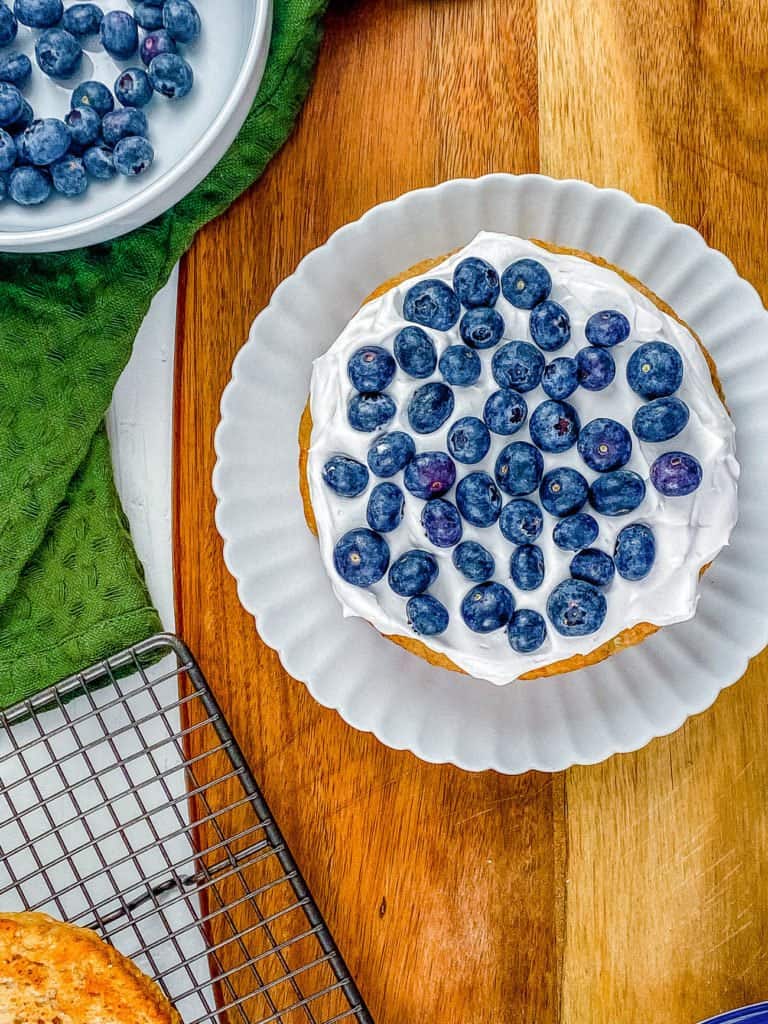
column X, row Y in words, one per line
column 126, row 806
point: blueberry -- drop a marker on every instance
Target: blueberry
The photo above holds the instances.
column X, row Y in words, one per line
column 478, row 499
column 476, row 283
column 518, row 468
column 526, row 283
column 596, row 368
column 505, row 412
column 361, row 557
column 655, row 370
column 473, row 561
column 154, row 44
column 607, row 328
column 93, row 94
column 24, row 120
column 604, row 444
column 550, row 325
column 432, row 303
column 119, row 34
column 171, row 75
column 554, row 426
column 563, row 491
column 7, row 151
column 16, row 69
column 560, row 378
column 575, row 532
column 521, row 521
column 371, row 368
column 460, row 366
column 46, row 141
column 526, row 631
column 82, row 19
column 526, row 567
column 487, row 607
column 429, row 407
column 11, row 103
column 660, row 420
column 149, row 17
column 345, row 476
column 367, row 411
column 468, row 440
column 133, row 156
column 58, row 53
column 386, row 506
column 133, row 88
column 635, row 552
column 29, row 186
column 429, row 475
column 592, row 566
column 481, row 327
column 615, row 494
column 8, row 25
column 426, row 615
column 39, row 13
column 676, row 474
column 391, row 453
column 181, row 20
column 415, row 352
column 442, row 523
column 84, row 125
column 68, row 176
column 518, row 365
column 576, row 608
column 121, row 124
column 412, row 573
column 99, row 162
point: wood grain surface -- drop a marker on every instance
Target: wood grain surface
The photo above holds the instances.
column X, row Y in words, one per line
column 632, row 891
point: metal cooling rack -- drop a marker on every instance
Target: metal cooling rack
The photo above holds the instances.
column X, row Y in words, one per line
column 126, row 806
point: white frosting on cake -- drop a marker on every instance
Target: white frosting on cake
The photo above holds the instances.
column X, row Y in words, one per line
column 689, row 531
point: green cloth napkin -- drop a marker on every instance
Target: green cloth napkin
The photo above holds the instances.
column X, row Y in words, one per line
column 72, row 590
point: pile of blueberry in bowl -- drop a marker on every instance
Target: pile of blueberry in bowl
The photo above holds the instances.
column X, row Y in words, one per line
column 106, row 131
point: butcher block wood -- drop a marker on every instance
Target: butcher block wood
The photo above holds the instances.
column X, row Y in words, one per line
column 632, row 891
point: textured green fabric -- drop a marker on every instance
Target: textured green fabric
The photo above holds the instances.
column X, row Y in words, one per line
column 71, row 587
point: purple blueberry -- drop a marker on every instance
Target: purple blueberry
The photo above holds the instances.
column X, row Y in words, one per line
column 171, row 75
column 476, row 283
column 11, row 104
column 361, row 557
column 123, row 123
column 635, row 552
column 526, row 631
column 576, row 608
column 386, row 506
column 426, row 615
column 563, row 491
column 478, row 499
column 119, row 34
column 16, row 69
column 604, row 444
column 468, row 440
column 415, row 352
column 554, row 426
column 576, row 532
column 460, row 366
column 526, row 567
column 390, row 453
column 133, row 89
column 660, row 420
column 46, row 140
column 473, row 561
column 560, row 378
column 596, row 368
column 518, row 365
column 487, row 607
column 550, row 326
column 521, row 521
column 413, row 573
column 655, row 370
column 69, row 176
column 429, row 407
column 99, row 163
column 82, row 19
column 8, row 153
column 592, row 566
column 8, row 25
column 526, row 283
column 617, row 493
column 442, row 523
column 181, row 20
column 154, row 44
column 39, row 13
column 429, row 475
column 149, row 16
column 84, row 126
column 505, row 412
column 432, row 303
column 675, row 474
column 371, row 368
column 345, row 476
column 368, row 411
column 95, row 95
column 481, row 327
column 518, row 469
column 607, row 328
column 29, row 186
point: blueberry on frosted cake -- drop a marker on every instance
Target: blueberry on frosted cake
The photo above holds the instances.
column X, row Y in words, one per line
column 517, row 461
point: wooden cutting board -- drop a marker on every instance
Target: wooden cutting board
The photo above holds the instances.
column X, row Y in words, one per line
column 633, row 891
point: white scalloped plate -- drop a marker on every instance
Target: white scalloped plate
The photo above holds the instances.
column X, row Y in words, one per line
column 441, row 716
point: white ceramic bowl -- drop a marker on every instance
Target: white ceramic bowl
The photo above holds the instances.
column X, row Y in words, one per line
column 190, row 136
column 547, row 724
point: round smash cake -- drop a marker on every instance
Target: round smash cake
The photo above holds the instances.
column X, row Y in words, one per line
column 517, row 460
